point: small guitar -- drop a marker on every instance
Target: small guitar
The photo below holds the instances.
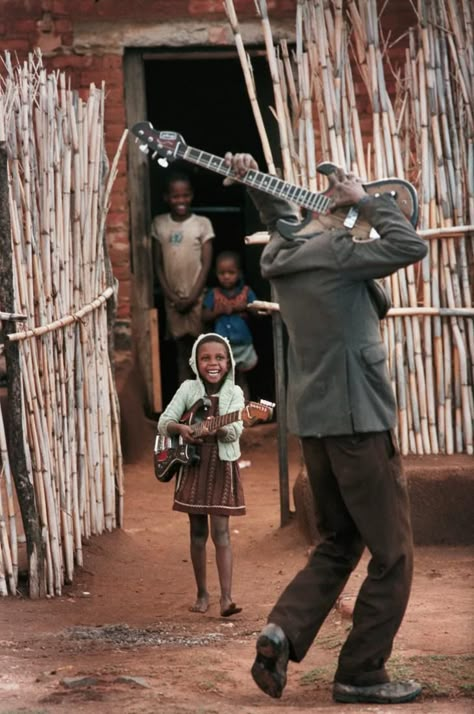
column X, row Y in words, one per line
column 171, row 452
column 168, row 146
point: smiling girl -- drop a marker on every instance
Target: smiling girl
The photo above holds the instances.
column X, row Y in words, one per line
column 209, row 489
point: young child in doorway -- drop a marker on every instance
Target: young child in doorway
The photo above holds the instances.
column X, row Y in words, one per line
column 225, row 306
column 209, row 490
column 182, row 248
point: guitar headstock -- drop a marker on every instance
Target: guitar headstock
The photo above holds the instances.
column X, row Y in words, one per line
column 168, row 145
column 257, row 411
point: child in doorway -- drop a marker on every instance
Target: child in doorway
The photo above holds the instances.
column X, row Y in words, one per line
column 225, row 306
column 182, row 250
column 209, row 490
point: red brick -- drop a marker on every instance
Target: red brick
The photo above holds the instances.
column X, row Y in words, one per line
column 119, row 240
column 121, row 185
column 16, row 45
column 63, row 26
column 123, row 310
column 23, row 27
column 98, row 75
column 113, row 134
column 71, row 60
column 117, row 201
column 117, row 218
column 205, row 7
column 122, row 273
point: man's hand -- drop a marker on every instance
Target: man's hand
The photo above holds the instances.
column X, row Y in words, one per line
column 239, row 165
column 344, row 189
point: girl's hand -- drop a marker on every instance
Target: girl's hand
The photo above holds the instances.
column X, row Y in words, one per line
column 205, row 430
column 186, row 433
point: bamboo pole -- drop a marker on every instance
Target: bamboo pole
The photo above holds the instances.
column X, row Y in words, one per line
column 59, row 197
column 246, row 65
column 275, row 75
column 63, row 321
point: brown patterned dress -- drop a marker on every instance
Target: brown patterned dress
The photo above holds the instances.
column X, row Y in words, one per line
column 210, row 486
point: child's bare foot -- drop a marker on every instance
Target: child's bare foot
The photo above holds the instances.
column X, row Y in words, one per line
column 201, row 604
column 228, row 607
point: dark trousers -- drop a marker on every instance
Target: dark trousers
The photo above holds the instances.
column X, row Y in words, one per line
column 361, row 499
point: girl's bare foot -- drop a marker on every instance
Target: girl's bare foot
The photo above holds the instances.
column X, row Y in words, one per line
column 201, row 604
column 228, row 607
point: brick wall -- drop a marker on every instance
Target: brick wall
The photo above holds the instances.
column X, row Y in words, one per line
column 50, row 25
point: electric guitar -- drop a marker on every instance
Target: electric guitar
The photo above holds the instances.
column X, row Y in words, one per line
column 168, row 146
column 171, row 452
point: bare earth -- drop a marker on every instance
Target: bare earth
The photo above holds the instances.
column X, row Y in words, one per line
column 121, row 638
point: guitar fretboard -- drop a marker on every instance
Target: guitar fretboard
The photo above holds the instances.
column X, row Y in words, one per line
column 214, row 423
column 273, row 185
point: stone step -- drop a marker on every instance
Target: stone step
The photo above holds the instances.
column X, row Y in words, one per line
column 441, row 495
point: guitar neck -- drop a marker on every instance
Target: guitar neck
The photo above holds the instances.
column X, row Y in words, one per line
column 272, row 185
column 214, row 423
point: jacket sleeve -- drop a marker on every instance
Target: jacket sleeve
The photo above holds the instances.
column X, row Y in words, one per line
column 272, row 209
column 234, row 431
column 398, row 246
column 175, row 409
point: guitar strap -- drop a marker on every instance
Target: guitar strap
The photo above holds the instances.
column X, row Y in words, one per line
column 379, row 298
column 188, row 417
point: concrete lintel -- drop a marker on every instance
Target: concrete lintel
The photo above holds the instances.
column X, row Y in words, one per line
column 111, row 37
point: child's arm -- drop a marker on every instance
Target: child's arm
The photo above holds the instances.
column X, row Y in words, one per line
column 174, row 411
column 232, row 432
column 184, row 304
column 185, row 431
column 159, row 269
column 210, row 312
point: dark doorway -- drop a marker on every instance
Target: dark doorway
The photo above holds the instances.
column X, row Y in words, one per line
column 202, row 96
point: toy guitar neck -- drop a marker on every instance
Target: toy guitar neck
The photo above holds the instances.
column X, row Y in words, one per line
column 168, row 146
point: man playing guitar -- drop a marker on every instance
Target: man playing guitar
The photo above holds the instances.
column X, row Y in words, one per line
column 341, row 405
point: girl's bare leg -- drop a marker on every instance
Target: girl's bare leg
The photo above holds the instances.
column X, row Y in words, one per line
column 199, row 532
column 220, row 535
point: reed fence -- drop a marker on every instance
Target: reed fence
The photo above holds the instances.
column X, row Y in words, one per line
column 66, row 460
column 421, row 129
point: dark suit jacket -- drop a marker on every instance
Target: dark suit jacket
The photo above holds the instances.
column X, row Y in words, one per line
column 338, row 381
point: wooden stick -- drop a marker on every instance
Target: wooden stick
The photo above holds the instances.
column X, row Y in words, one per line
column 245, row 63
column 63, row 321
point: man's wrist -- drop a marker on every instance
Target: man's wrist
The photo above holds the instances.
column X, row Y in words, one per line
column 364, row 199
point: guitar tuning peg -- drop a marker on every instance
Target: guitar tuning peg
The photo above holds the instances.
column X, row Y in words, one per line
column 143, row 148
column 163, row 162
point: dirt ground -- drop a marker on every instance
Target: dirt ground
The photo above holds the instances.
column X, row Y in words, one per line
column 121, row 637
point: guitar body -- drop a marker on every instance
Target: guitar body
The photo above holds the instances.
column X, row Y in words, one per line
column 314, row 223
column 170, row 454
